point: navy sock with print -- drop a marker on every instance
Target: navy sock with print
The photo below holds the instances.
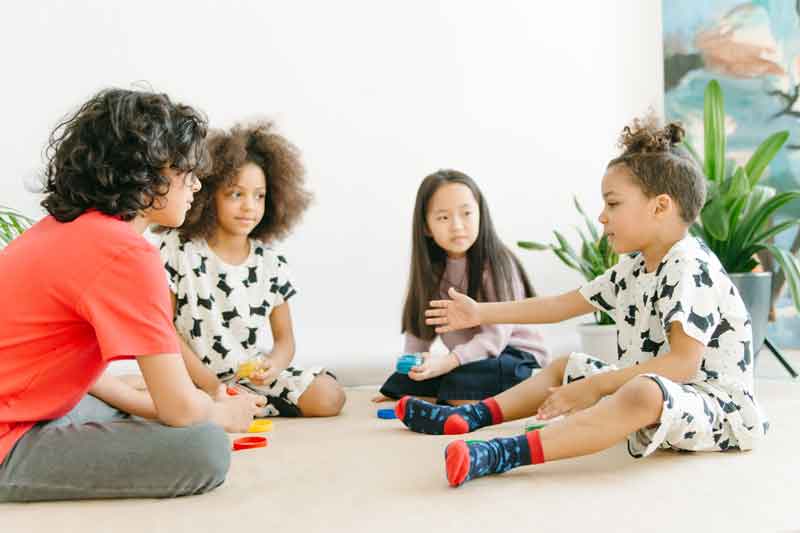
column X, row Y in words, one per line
column 465, row 460
column 424, row 417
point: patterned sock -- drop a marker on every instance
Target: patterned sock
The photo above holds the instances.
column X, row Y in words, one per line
column 465, row 460
column 424, row 417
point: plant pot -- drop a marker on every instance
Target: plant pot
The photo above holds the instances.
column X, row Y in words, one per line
column 756, row 291
column 599, row 341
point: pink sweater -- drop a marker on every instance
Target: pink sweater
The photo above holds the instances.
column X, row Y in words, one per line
column 481, row 342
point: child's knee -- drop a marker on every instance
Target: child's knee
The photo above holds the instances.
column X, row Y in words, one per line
column 641, row 395
column 558, row 367
column 209, row 456
column 324, row 397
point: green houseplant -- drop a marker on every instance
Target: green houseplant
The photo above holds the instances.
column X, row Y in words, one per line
column 594, row 258
column 12, row 224
column 736, row 220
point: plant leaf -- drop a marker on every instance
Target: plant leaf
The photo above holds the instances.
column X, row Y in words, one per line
column 531, row 245
column 765, row 152
column 715, row 219
column 791, row 270
column 592, row 229
column 714, row 131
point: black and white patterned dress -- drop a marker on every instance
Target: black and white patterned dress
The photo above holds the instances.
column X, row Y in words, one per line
column 716, row 409
column 222, row 311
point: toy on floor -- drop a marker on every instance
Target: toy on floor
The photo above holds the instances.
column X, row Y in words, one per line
column 247, row 443
column 407, row 362
column 387, row 414
column 534, row 423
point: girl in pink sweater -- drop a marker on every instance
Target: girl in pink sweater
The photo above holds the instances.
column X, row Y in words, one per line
column 455, row 245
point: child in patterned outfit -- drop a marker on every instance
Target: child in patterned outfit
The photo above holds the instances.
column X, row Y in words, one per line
column 230, row 289
column 684, row 379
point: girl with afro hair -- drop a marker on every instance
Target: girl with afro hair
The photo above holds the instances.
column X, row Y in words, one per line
column 231, row 289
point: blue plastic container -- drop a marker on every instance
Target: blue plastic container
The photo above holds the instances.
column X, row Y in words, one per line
column 407, row 362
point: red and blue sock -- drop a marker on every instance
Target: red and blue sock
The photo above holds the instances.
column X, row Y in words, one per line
column 432, row 419
column 465, row 460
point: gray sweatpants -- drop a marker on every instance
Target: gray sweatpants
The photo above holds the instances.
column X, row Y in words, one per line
column 96, row 451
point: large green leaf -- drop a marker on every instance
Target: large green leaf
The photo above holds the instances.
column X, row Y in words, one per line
column 771, row 232
column 764, row 154
column 791, row 270
column 736, row 187
column 532, row 245
column 714, row 131
column 569, row 250
column 760, row 217
column 715, row 219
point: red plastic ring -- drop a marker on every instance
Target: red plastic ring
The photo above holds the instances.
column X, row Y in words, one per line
column 246, row 443
column 232, row 392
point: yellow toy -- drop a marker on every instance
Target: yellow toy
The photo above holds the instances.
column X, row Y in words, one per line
column 250, row 367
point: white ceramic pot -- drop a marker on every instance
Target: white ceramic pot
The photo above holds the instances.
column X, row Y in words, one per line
column 599, row 341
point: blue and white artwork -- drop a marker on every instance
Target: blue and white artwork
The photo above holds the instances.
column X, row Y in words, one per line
column 753, row 50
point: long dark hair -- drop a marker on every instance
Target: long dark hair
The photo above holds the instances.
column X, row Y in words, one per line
column 108, row 155
column 428, row 260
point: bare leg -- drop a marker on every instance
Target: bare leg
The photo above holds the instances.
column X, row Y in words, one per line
column 524, row 399
column 323, row 397
column 636, row 405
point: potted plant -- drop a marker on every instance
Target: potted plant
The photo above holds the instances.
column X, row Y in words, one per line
column 595, row 257
column 735, row 221
column 12, row 224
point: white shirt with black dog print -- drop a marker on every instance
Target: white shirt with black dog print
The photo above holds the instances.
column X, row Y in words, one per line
column 691, row 287
column 223, row 310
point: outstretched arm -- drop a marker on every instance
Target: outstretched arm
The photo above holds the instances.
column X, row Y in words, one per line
column 464, row 312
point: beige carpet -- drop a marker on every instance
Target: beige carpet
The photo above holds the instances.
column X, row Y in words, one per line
column 359, row 473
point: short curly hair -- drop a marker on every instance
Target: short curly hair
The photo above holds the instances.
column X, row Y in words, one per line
column 109, row 154
column 661, row 166
column 256, row 143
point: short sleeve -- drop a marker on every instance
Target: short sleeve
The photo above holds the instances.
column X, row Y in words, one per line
column 129, row 307
column 602, row 291
column 282, row 283
column 168, row 244
column 687, row 294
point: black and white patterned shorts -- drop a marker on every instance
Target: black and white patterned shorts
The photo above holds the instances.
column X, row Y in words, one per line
column 283, row 394
column 691, row 419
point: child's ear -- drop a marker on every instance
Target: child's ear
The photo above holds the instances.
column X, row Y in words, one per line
column 664, row 204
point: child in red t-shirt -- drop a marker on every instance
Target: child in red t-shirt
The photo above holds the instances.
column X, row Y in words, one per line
column 87, row 288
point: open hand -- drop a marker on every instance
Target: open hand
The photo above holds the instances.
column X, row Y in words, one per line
column 568, row 399
column 449, row 315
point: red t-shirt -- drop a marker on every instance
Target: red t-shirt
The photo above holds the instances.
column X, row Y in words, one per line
column 75, row 295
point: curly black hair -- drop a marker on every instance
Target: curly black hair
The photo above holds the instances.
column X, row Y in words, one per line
column 109, row 154
column 660, row 165
column 256, row 143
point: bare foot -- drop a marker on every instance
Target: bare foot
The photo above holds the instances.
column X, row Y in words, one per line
column 381, row 398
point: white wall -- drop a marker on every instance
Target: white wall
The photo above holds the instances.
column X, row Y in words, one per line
column 526, row 97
